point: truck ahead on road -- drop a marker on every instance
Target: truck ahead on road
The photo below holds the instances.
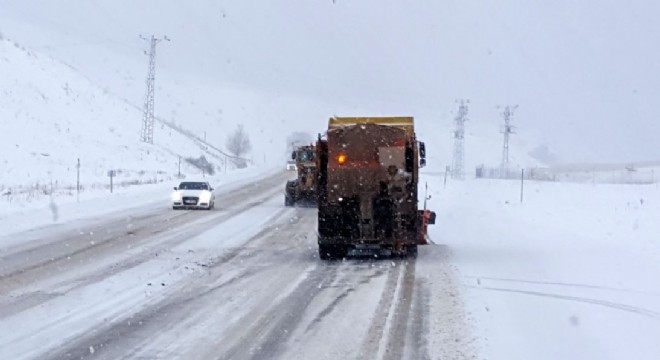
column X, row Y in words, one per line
column 368, row 174
column 303, row 188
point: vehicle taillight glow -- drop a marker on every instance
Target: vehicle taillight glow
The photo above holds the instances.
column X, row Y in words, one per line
column 341, row 158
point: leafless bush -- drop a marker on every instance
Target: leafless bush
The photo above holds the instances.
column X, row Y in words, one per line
column 202, row 164
column 238, row 142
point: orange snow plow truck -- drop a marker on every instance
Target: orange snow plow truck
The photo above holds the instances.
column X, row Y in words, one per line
column 368, row 173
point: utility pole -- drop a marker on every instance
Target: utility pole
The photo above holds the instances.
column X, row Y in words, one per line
column 507, row 130
column 147, row 134
column 459, row 141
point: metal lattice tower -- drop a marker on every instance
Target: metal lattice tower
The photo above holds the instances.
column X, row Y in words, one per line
column 147, row 133
column 507, row 130
column 459, row 141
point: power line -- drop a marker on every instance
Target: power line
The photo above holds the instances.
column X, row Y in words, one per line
column 459, row 141
column 147, row 133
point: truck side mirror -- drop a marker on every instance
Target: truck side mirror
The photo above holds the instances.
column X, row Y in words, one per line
column 432, row 218
column 422, row 162
column 293, row 155
column 422, row 150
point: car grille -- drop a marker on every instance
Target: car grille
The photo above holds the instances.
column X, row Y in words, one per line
column 190, row 200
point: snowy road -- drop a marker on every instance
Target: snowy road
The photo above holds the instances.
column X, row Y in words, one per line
column 241, row 282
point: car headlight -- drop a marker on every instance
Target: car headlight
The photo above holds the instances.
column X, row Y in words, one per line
column 205, row 197
column 176, row 196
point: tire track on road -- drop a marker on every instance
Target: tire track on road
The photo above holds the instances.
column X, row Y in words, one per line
column 419, row 323
column 142, row 234
column 398, row 319
column 266, row 337
column 396, row 338
column 84, row 238
column 340, row 298
column 122, row 339
column 371, row 345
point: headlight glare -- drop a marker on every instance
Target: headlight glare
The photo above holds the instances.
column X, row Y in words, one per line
column 205, row 197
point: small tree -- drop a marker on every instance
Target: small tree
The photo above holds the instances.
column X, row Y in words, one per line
column 238, row 142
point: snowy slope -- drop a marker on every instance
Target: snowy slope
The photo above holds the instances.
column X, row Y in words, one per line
column 51, row 116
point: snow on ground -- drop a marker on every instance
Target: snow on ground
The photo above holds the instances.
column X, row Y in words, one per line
column 95, row 206
column 571, row 273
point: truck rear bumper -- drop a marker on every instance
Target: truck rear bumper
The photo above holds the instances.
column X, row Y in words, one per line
column 365, row 243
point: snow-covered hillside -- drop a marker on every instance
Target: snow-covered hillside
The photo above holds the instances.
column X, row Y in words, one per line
column 52, row 116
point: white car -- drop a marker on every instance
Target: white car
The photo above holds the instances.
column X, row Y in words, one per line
column 193, row 195
column 291, row 165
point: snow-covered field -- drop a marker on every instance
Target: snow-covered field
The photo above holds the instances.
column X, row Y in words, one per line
column 570, row 273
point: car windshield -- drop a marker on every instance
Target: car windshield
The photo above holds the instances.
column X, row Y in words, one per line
column 193, row 186
column 305, row 155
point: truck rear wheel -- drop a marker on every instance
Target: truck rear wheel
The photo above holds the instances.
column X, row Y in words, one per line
column 332, row 252
column 411, row 251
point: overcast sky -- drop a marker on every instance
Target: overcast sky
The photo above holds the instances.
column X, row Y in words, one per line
column 585, row 74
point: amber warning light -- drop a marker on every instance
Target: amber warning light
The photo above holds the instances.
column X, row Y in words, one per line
column 341, row 158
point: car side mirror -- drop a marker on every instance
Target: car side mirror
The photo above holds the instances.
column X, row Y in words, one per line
column 175, row 188
column 211, row 189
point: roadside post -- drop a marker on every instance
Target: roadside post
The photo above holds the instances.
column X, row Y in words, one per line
column 78, row 181
column 111, row 174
